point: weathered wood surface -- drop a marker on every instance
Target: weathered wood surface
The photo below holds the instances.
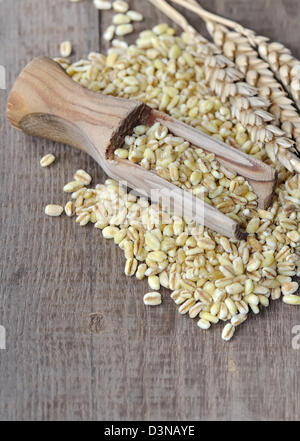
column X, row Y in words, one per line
column 80, row 343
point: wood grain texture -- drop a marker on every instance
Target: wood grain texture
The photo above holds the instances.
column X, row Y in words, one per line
column 80, row 343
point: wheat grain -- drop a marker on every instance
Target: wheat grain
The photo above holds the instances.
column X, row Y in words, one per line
column 65, row 48
column 289, row 288
column 70, row 208
column 228, row 332
column 124, row 29
column 120, row 19
column 204, row 270
column 135, row 16
column 152, row 298
column 73, row 186
column 83, row 177
column 53, row 210
column 47, row 160
column 102, row 5
column 291, row 299
column 109, row 33
column 120, row 6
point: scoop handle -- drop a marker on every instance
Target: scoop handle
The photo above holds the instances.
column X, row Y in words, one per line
column 46, row 102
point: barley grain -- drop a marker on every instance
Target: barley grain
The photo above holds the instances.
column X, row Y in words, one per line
column 83, row 219
column 135, row 16
column 291, row 299
column 47, row 160
column 205, row 270
column 140, row 274
column 238, row 319
column 121, row 19
column 65, row 48
column 70, row 208
column 152, row 298
column 73, row 186
column 203, row 324
column 228, row 332
column 109, row 33
column 154, row 282
column 120, row 6
column 289, row 288
column 186, row 306
column 83, row 177
column 209, row 317
column 195, row 310
column 110, row 232
column 102, row 5
column 130, row 266
column 53, row 210
column 124, row 29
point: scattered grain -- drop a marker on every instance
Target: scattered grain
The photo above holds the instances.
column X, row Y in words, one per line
column 152, row 298
column 70, row 208
column 109, row 33
column 65, row 49
column 47, row 160
column 124, row 29
column 120, row 6
column 135, row 16
column 102, row 5
column 53, row 210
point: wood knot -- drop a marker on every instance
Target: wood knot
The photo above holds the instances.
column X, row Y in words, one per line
column 95, row 322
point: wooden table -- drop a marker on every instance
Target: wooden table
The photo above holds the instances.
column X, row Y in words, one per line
column 80, row 343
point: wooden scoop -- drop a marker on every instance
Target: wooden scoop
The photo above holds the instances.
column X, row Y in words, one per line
column 46, row 102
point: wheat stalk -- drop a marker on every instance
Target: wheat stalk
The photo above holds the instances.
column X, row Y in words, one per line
column 285, row 66
column 279, row 58
column 258, row 74
column 174, row 15
column 246, row 104
column 238, row 48
column 280, row 105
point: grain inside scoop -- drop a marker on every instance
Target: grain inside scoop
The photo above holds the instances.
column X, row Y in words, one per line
column 45, row 102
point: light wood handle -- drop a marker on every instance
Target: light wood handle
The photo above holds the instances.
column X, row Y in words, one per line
column 46, row 102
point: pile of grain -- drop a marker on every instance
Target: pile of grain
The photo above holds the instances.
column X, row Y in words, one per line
column 211, row 277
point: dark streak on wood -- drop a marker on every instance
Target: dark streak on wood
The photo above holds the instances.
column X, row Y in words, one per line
column 80, row 343
column 95, row 322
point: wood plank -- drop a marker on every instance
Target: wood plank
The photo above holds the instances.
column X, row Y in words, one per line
column 45, row 285
column 80, row 343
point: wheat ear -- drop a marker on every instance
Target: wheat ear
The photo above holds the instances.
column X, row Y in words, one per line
column 246, row 105
column 258, row 74
column 284, row 65
column 238, row 48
